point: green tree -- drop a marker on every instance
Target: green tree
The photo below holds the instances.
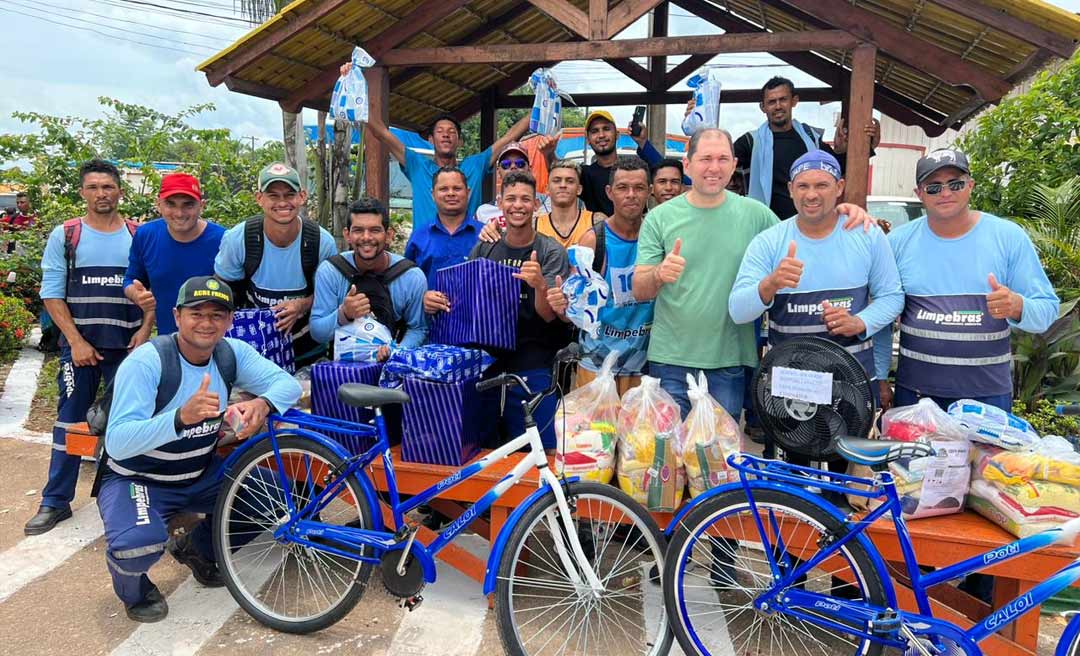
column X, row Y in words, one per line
column 1028, row 139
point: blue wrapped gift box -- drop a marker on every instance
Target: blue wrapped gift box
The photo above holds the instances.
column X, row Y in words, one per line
column 442, row 422
column 326, row 377
column 255, row 326
column 484, row 299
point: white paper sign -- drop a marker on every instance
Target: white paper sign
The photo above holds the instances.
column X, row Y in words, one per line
column 801, row 385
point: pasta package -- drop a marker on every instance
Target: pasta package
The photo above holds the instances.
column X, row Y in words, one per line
column 585, row 427
column 649, row 465
column 709, row 436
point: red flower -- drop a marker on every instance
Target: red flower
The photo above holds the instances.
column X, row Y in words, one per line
column 19, row 333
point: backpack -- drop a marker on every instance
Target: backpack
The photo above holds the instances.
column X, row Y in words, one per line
column 600, row 250
column 97, row 417
column 376, row 286
column 254, row 242
column 73, row 233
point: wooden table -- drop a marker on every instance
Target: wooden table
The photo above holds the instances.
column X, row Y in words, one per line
column 938, row 541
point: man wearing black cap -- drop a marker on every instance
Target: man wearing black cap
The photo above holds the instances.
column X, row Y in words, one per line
column 969, row 279
column 169, row 397
column 444, row 134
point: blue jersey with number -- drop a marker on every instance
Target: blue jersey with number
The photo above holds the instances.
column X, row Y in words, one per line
column 625, row 323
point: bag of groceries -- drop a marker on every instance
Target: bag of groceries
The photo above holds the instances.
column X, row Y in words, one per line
column 349, row 100
column 932, row 485
column 585, row 427
column 709, row 436
column 649, row 466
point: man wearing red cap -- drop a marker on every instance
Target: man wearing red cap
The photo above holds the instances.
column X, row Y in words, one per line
column 167, row 251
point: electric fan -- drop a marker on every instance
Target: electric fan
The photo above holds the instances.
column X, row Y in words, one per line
column 808, row 428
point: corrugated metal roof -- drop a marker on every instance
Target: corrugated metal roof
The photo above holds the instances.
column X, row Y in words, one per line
column 267, row 63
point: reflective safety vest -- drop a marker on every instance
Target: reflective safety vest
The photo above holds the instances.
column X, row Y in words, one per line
column 95, row 295
column 798, row 314
column 950, row 346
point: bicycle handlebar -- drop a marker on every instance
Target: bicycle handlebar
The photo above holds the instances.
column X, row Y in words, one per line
column 569, row 353
column 1072, row 409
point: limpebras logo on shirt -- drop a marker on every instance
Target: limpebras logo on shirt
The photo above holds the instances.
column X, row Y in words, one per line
column 954, row 318
column 106, row 281
column 814, row 309
column 201, row 430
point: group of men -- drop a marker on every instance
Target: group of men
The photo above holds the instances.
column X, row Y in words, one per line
column 688, row 276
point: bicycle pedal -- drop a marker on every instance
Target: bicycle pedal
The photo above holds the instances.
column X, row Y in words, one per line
column 885, row 624
column 411, row 603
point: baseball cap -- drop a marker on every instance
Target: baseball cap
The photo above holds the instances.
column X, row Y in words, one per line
column 512, row 147
column 205, row 289
column 180, row 183
column 279, row 172
column 815, row 160
column 599, row 113
column 939, row 159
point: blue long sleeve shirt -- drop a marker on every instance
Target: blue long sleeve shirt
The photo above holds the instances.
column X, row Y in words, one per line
column 930, row 265
column 845, row 259
column 133, row 430
column 96, row 249
column 406, row 292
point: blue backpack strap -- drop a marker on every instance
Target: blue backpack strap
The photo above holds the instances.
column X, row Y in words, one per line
column 225, row 359
column 171, row 372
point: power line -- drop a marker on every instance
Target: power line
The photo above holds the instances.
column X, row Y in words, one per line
column 186, row 11
column 104, row 34
column 170, row 30
column 180, row 16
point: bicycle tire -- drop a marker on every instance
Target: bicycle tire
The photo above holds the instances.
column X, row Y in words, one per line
column 599, row 535
column 726, row 583
column 248, row 476
column 1072, row 633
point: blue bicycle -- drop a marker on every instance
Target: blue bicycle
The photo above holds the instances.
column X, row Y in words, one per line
column 769, row 566
column 299, row 527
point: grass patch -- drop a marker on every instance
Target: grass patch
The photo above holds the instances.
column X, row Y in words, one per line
column 43, row 407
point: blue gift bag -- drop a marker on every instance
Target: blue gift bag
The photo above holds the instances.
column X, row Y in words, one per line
column 255, row 326
column 484, row 298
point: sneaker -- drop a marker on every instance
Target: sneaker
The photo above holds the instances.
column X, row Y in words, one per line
column 152, row 608
column 206, row 572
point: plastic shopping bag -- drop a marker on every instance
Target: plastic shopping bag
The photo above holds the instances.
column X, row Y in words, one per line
column 585, row 427
column 993, row 425
column 709, row 436
column 546, row 117
column 649, row 466
column 706, row 113
column 349, row 100
column 361, row 340
column 586, row 290
column 910, row 423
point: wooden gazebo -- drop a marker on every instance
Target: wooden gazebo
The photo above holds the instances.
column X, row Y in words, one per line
column 930, row 63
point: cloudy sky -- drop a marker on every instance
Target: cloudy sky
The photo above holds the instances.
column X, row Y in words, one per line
column 60, row 55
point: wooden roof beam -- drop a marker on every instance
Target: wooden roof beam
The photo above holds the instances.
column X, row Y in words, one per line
column 684, row 68
column 623, row 15
column 1062, row 46
column 423, row 16
column 730, row 96
column 920, row 54
column 617, row 49
column 566, row 14
column 293, row 26
column 632, row 70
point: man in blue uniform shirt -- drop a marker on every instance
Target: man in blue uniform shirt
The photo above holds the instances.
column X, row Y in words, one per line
column 282, row 276
column 447, row 240
column 82, row 286
column 815, row 278
column 158, row 463
column 167, row 252
column 969, row 279
column 370, row 280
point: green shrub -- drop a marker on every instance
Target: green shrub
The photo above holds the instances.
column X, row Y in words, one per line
column 1044, row 419
column 15, row 322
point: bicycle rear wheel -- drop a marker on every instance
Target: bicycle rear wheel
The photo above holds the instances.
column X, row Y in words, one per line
column 717, row 567
column 286, row 586
column 540, row 610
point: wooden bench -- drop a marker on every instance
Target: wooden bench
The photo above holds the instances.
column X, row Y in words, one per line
column 938, row 541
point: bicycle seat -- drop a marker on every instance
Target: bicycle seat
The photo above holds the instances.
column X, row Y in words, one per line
column 369, row 396
column 879, row 452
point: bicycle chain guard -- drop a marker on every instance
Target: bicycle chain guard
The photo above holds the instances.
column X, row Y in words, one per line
column 402, row 587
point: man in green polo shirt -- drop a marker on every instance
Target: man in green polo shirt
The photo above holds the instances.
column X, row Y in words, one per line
column 689, row 251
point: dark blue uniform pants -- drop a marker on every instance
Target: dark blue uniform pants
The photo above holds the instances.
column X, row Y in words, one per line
column 78, row 389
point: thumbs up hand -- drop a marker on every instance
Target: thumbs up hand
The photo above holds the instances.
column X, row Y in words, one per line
column 532, row 274
column 1003, row 302
column 556, row 298
column 142, row 296
column 203, row 404
column 672, row 266
column 356, row 304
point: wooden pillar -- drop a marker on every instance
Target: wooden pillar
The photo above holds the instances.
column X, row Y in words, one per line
column 376, row 155
column 656, row 117
column 489, row 128
column 860, row 112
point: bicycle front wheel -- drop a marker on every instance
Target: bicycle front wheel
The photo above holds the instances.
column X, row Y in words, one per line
column 539, row 607
column 287, row 586
column 718, row 566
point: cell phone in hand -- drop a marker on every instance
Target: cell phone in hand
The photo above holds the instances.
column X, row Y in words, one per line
column 635, row 124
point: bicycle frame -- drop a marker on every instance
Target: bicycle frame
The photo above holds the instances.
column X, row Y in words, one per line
column 785, row 597
column 300, row 524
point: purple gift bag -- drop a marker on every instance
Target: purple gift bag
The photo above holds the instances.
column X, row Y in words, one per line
column 326, row 377
column 441, row 422
column 484, row 298
column 255, row 326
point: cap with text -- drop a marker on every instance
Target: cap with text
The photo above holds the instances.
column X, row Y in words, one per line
column 815, row 160
column 205, row 289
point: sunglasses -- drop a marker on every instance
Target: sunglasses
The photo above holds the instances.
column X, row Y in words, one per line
column 508, row 164
column 954, row 185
